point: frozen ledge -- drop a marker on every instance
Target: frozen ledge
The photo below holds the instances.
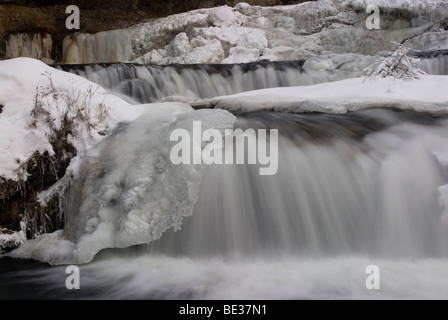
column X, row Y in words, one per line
column 423, row 95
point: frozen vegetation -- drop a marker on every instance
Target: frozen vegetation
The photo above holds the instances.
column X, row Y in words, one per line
column 400, row 65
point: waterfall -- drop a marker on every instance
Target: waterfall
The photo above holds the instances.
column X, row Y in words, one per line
column 352, row 190
column 352, row 184
column 437, row 65
column 151, row 83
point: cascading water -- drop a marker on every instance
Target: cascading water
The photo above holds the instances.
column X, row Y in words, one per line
column 346, row 185
column 352, row 190
column 155, row 83
column 152, row 83
column 435, row 62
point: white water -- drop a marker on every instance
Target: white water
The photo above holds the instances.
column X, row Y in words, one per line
column 251, row 33
column 328, row 198
column 336, row 206
column 122, row 276
column 437, row 65
column 352, row 191
column 161, row 277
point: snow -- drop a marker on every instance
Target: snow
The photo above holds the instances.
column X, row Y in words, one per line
column 123, row 189
column 20, row 79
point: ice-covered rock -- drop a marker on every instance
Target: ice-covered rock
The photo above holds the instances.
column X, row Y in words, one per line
column 310, row 28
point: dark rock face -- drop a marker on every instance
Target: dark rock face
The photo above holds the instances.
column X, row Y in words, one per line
column 160, row 7
column 48, row 16
column 18, row 200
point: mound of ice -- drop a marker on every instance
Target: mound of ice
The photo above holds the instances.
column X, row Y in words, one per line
column 123, row 188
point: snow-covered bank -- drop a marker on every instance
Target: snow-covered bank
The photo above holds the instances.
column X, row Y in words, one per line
column 427, row 94
column 251, row 33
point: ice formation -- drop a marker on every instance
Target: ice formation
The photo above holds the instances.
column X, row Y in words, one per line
column 133, row 203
